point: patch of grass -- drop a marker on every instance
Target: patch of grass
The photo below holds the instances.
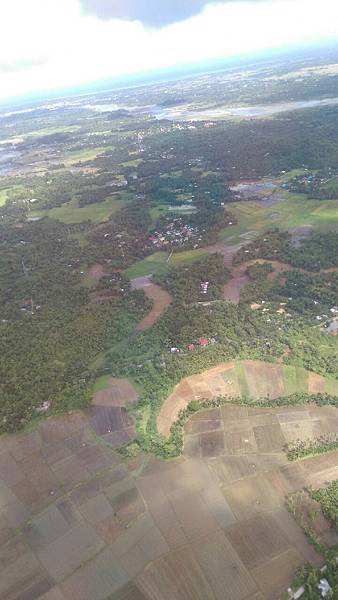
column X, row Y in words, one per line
column 295, row 379
column 331, row 386
column 33, row 424
column 51, row 130
column 132, row 163
column 101, row 383
column 187, row 257
column 155, row 264
column 97, row 213
column 242, row 380
column 3, row 197
column 158, row 264
column 157, row 211
column 75, row 156
column 4, row 192
column 294, row 211
column 98, row 363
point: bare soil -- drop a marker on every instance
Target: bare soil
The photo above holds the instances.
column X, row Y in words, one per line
column 76, row 524
column 120, row 392
column 96, row 272
column 161, row 300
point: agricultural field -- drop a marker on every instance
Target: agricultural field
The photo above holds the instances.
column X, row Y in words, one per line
column 292, row 212
column 96, row 213
column 169, row 391
column 81, row 521
column 3, row 197
column 161, row 262
column 248, row 379
column 160, row 301
column 81, row 156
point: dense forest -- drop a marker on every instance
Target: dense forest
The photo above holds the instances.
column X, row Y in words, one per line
column 251, row 149
column 50, row 331
column 316, row 252
column 199, row 282
column 232, row 332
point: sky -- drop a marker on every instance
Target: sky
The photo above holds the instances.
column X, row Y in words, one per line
column 56, row 44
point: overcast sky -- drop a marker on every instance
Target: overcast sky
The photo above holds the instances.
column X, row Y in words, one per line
column 51, row 44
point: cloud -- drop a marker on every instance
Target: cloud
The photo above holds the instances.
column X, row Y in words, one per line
column 53, row 44
column 15, row 66
column 153, row 13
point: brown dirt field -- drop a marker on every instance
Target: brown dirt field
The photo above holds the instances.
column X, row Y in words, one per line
column 269, row 438
column 316, row 383
column 120, row 392
column 224, row 568
column 227, row 251
column 309, row 512
column 161, row 300
column 288, row 478
column 207, row 415
column 232, row 289
column 208, row 528
column 204, row 426
column 177, row 576
column 257, row 540
column 96, row 272
column 212, row 444
column 264, row 379
column 252, row 496
column 302, row 430
column 272, row 576
column 240, row 442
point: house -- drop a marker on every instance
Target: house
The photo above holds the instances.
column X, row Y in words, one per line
column 26, row 303
column 333, row 327
column 191, row 347
column 203, row 342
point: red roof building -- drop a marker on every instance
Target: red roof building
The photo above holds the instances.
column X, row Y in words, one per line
column 203, row 342
column 191, row 347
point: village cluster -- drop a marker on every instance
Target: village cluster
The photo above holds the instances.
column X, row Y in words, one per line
column 176, row 233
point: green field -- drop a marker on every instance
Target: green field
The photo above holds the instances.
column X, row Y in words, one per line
column 4, row 192
column 3, row 197
column 96, row 213
column 132, row 163
column 102, row 383
column 82, row 155
column 51, row 130
column 295, row 379
column 295, row 211
column 157, row 264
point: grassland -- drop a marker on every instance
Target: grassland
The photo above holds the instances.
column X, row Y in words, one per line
column 99, row 212
column 12, row 189
column 101, row 383
column 293, row 211
column 76, row 156
column 250, row 378
column 51, row 130
column 159, row 262
column 3, row 197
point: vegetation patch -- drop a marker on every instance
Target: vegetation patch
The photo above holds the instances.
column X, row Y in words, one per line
column 301, row 449
column 173, row 445
column 96, row 213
